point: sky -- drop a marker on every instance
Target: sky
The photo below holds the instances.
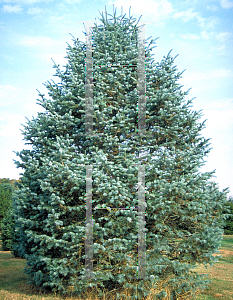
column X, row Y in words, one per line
column 201, row 32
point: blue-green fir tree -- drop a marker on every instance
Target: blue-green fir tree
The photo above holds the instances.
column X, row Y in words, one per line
column 184, row 218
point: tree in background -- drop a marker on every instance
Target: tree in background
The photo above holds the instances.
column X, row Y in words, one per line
column 184, row 210
column 7, row 223
column 6, row 189
column 7, row 229
column 228, row 228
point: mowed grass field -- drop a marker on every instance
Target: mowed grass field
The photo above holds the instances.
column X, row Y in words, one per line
column 13, row 282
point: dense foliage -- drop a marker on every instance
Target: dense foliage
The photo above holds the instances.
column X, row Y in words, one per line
column 228, row 228
column 7, row 224
column 7, row 228
column 184, row 209
column 6, row 189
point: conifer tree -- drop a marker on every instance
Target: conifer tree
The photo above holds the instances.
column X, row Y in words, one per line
column 6, row 231
column 184, row 217
column 6, row 189
column 228, row 228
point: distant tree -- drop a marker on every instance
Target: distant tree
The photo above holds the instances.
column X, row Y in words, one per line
column 184, row 219
column 12, row 182
column 4, row 180
column 6, row 189
column 11, row 241
column 7, row 223
column 7, row 229
column 230, row 199
column 228, row 228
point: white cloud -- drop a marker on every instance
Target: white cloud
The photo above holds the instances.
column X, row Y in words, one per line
column 205, row 81
column 219, row 120
column 219, row 127
column 210, row 75
column 156, row 9
column 212, row 7
column 25, row 1
column 12, row 9
column 36, row 41
column 222, row 36
column 43, row 48
column 59, row 58
column 207, row 35
column 223, row 104
column 13, row 100
column 204, row 23
column 221, row 109
column 217, row 74
column 11, row 97
column 219, row 50
column 186, row 15
column 9, row 94
column 32, row 108
column 10, row 124
column 190, row 36
column 226, row 4
column 34, row 10
column 74, row 1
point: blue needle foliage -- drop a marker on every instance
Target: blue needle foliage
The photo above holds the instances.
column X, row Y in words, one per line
column 184, row 208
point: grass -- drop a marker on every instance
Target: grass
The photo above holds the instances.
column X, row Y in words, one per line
column 220, row 273
column 13, row 282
